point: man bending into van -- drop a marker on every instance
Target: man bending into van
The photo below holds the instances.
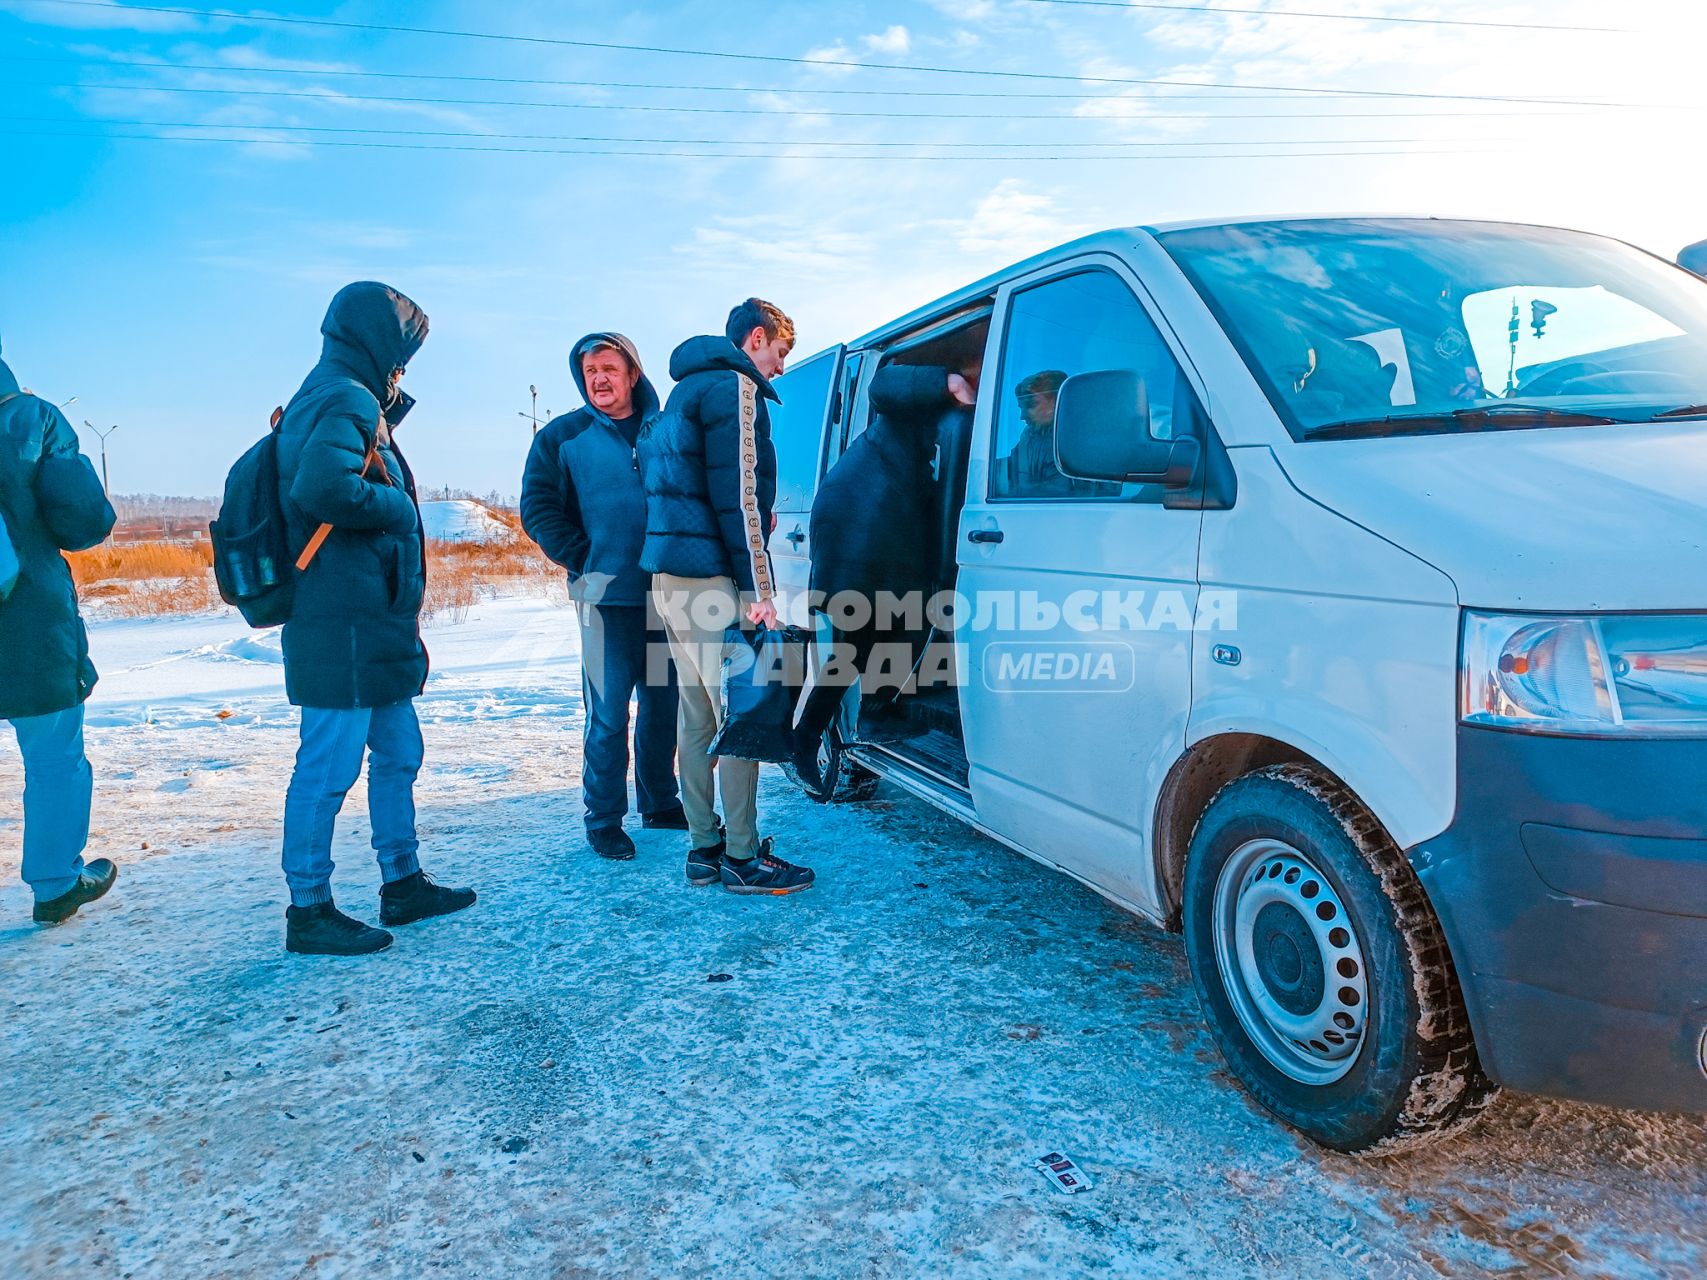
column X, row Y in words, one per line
column 710, row 476
column 874, row 534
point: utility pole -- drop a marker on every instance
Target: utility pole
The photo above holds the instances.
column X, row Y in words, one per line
column 105, row 487
column 533, row 417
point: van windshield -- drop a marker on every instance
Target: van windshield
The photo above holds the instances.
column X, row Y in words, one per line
column 1374, row 327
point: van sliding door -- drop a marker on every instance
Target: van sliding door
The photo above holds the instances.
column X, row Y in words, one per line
column 797, row 434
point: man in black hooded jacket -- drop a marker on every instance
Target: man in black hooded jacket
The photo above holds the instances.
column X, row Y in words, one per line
column 874, row 534
column 353, row 656
column 50, row 501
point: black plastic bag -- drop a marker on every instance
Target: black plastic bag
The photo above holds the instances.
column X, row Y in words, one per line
column 763, row 672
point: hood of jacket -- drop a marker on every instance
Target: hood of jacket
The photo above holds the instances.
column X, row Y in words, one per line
column 709, row 353
column 371, row 329
column 646, row 402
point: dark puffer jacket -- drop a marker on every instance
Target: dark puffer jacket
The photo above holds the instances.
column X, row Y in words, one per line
column 582, row 500
column 354, row 635
column 51, row 501
column 710, row 484
column 874, row 523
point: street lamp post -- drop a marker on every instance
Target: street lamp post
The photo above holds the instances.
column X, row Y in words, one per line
column 66, row 404
column 105, row 487
column 533, row 417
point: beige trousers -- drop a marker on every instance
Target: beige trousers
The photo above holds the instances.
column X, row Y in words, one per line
column 694, row 612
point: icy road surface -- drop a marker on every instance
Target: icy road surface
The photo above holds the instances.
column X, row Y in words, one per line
column 552, row 1084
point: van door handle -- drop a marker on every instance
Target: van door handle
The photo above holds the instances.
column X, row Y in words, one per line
column 985, row 535
column 796, row 537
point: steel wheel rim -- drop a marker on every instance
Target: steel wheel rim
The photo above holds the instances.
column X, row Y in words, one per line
column 1281, row 931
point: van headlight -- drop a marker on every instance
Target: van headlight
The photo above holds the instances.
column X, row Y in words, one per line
column 1629, row 674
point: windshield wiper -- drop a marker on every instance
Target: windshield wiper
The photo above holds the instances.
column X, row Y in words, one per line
column 1496, row 415
column 1684, row 411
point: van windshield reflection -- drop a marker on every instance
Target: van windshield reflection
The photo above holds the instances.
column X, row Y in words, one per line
column 1376, row 327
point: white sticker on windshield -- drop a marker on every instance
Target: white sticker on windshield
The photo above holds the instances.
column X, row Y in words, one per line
column 1389, row 348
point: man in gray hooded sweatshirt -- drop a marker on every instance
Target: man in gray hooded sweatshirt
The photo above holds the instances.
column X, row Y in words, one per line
column 583, row 503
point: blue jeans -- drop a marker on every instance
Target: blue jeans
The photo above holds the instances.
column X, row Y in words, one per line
column 57, row 788
column 328, row 762
column 625, row 654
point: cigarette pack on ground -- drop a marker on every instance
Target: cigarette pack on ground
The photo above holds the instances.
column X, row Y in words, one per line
column 1063, row 1174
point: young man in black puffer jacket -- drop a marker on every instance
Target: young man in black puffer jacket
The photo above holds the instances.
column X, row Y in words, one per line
column 710, row 475
column 50, row 501
column 353, row 656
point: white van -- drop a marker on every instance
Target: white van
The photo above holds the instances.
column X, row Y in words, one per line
column 1333, row 590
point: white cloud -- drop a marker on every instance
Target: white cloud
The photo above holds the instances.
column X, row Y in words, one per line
column 895, row 40
column 1014, row 221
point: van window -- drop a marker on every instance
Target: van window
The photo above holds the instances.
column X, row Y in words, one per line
column 845, row 426
column 797, row 429
column 1074, row 324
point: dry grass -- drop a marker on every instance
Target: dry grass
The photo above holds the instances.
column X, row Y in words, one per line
column 146, row 579
column 460, row 574
column 162, row 579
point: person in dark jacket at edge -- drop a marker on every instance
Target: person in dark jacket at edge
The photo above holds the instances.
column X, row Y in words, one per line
column 353, row 656
column 874, row 532
column 710, row 475
column 583, row 503
column 51, row 501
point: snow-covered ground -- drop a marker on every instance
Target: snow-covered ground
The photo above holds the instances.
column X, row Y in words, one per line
column 461, row 520
column 561, row 1082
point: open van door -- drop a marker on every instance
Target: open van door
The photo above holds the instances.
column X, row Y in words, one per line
column 797, row 434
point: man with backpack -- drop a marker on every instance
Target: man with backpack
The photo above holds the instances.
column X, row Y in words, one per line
column 50, row 501
column 583, row 503
column 710, row 475
column 353, row 656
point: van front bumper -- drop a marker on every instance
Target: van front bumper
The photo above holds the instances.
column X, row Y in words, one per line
column 1572, row 886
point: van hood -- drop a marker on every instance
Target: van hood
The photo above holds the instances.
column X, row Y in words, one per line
column 1581, row 518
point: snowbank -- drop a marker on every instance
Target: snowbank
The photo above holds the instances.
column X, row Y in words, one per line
column 552, row 1083
column 462, row 520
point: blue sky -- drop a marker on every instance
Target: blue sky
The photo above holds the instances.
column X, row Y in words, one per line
column 176, row 287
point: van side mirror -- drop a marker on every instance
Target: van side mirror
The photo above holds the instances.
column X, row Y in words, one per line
column 1102, row 432
column 1694, row 258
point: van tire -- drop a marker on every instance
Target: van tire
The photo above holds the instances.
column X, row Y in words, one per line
column 844, row 782
column 1273, row 849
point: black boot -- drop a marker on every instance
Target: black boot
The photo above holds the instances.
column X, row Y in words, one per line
column 416, row 897
column 612, row 843
column 668, row 820
column 97, row 878
column 323, row 930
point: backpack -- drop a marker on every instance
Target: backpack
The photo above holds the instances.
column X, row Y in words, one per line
column 251, row 545
column 252, row 559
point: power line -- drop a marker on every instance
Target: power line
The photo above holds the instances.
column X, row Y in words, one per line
column 739, row 142
column 1338, row 17
column 739, row 111
column 769, row 154
column 774, row 58
column 1004, row 94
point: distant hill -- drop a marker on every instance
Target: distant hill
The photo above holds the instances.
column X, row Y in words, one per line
column 467, row 520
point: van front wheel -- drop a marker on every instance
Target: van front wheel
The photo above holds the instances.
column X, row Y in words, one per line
column 1321, row 968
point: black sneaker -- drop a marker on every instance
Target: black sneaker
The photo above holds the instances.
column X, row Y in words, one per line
column 669, row 820
column 705, row 866
column 323, row 930
column 97, row 878
column 764, row 873
column 612, row 843
column 416, row 897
